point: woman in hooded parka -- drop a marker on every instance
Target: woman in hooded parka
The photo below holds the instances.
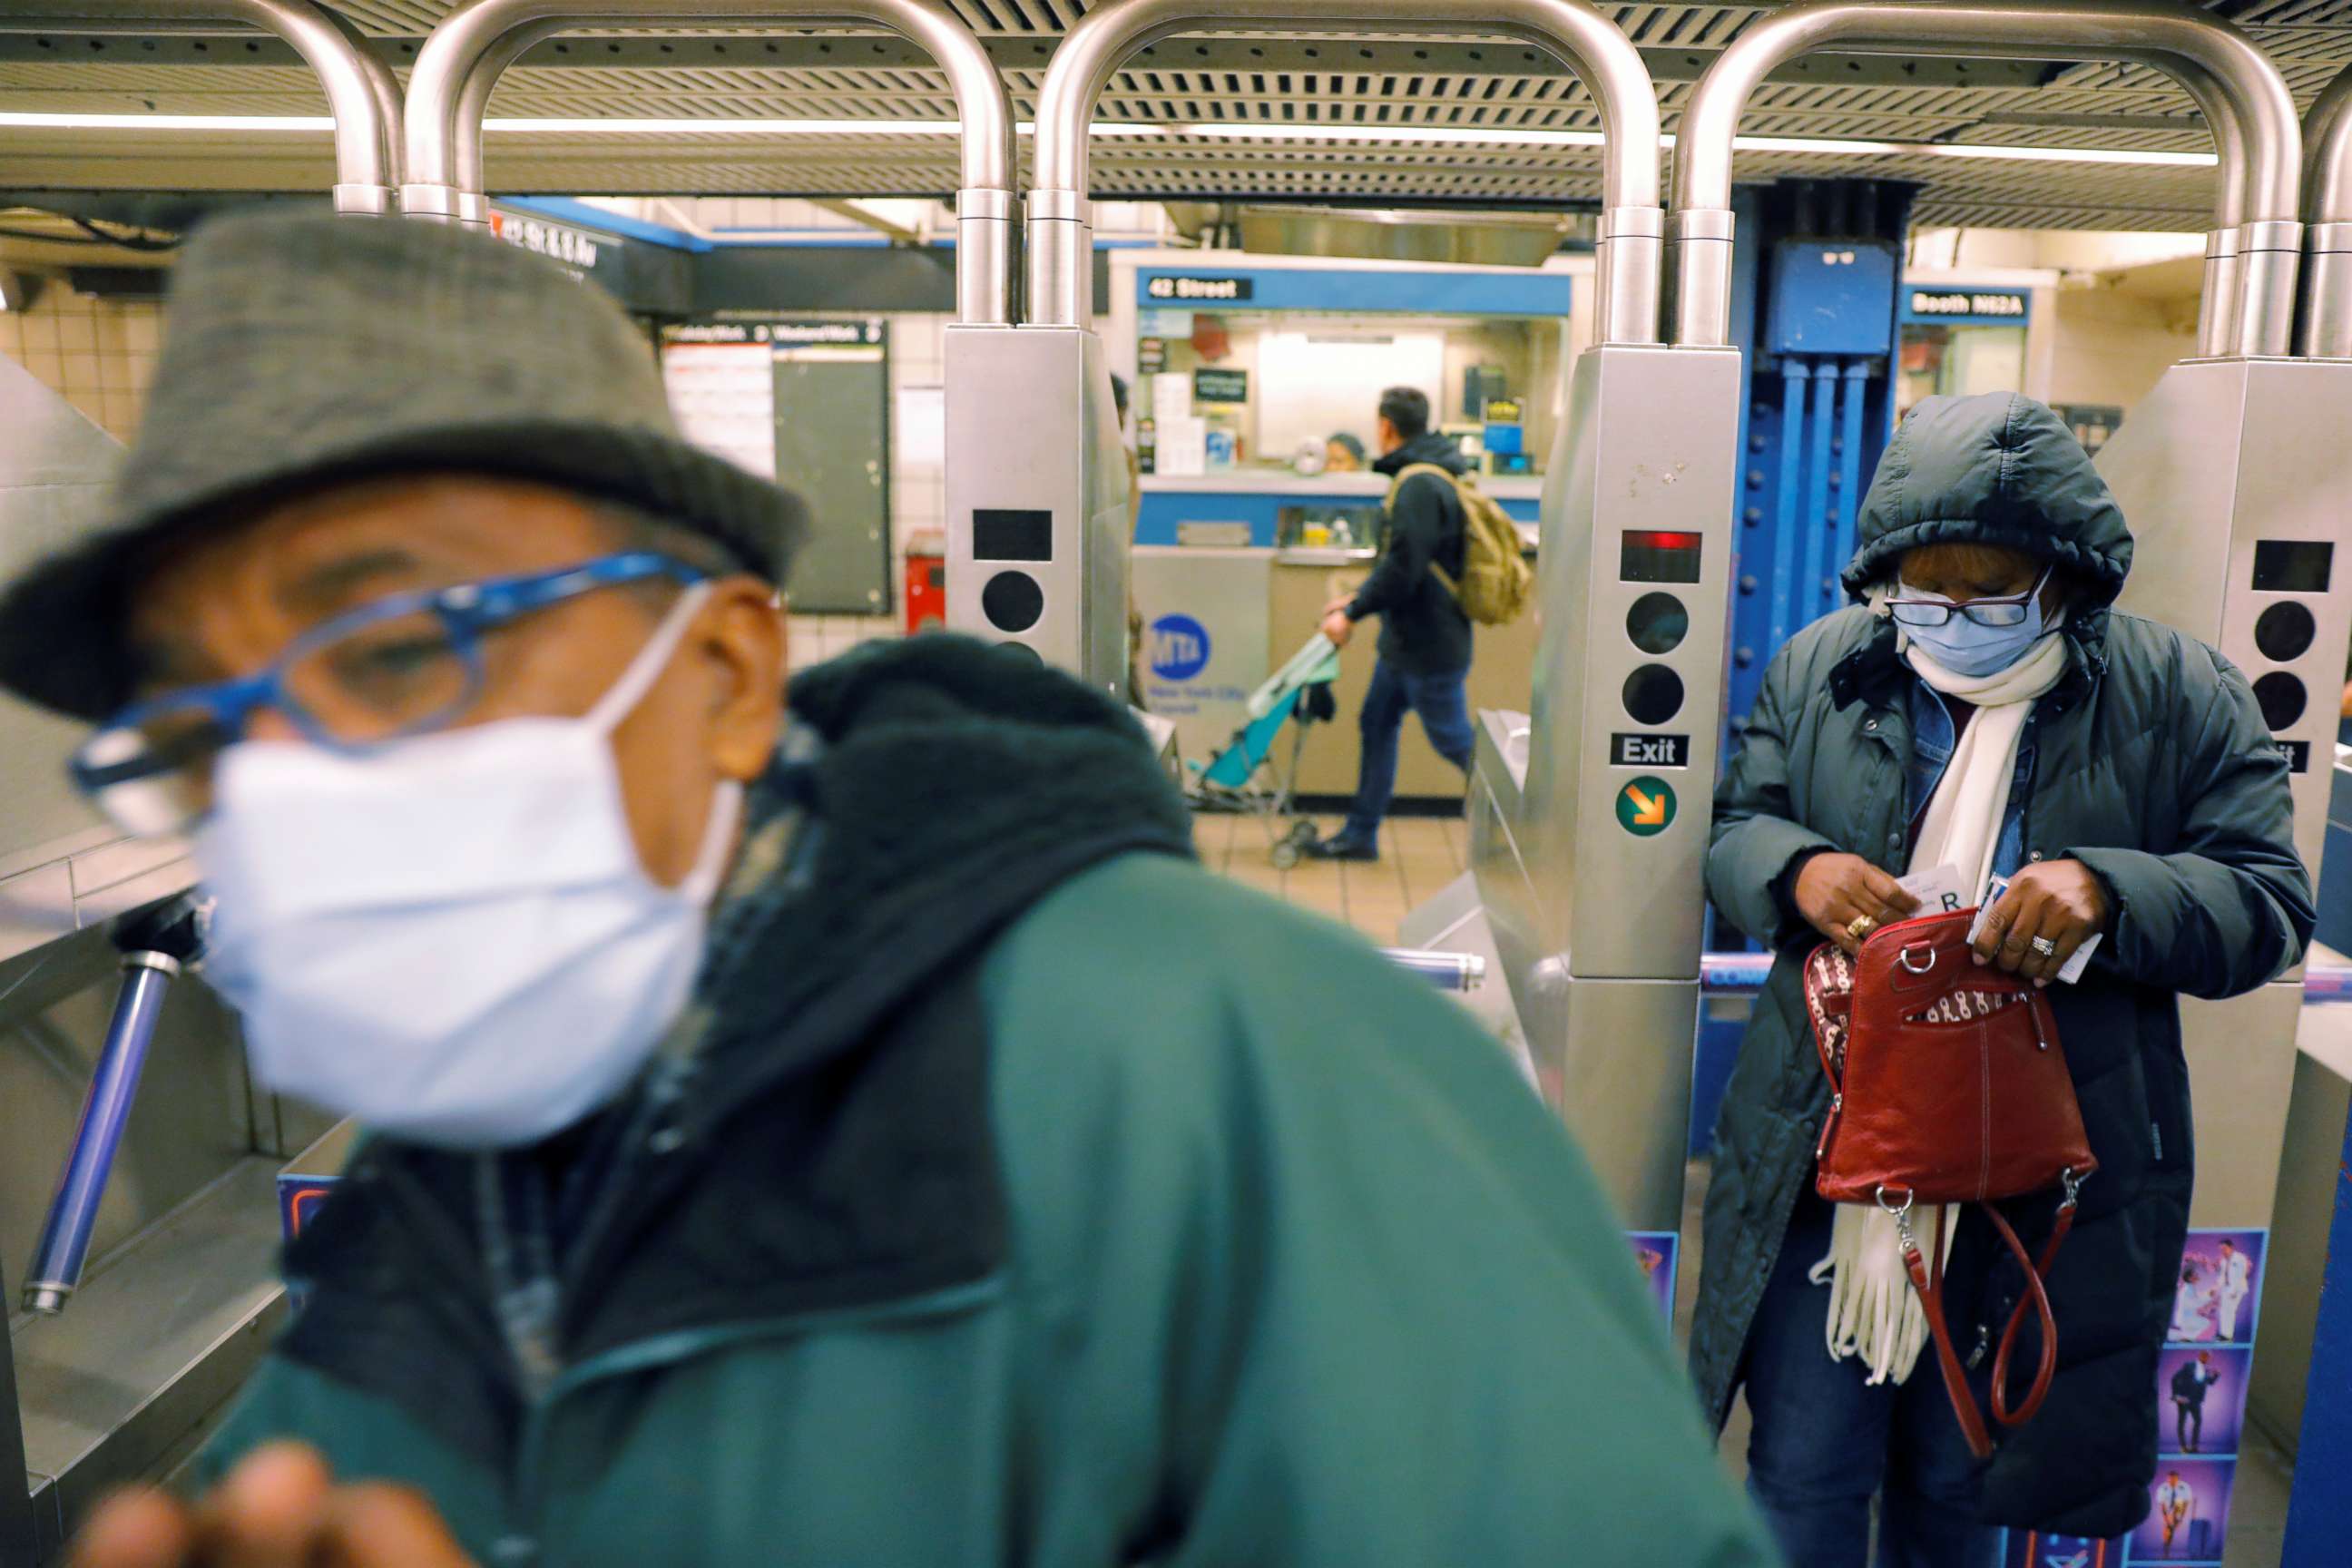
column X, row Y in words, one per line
column 1981, row 708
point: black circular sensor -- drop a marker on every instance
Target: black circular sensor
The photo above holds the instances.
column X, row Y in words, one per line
column 2285, row 630
column 1657, row 623
column 1013, row 601
column 1653, row 694
column 2281, row 696
column 1020, row 653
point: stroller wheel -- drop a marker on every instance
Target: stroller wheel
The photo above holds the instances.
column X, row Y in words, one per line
column 1285, row 855
column 1300, row 832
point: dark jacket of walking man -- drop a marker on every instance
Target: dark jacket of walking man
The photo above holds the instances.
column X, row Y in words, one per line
column 1424, row 649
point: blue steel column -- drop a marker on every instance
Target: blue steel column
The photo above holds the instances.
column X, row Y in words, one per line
column 1794, row 374
column 1814, row 521
column 1854, row 389
column 2319, row 1509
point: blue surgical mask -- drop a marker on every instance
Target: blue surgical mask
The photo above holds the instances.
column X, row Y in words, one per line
column 452, row 938
column 1964, row 647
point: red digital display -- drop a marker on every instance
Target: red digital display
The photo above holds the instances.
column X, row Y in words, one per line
column 1658, row 555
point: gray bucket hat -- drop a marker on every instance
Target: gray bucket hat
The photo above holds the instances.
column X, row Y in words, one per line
column 303, row 350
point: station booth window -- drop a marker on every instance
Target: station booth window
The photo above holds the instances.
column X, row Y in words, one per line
column 1957, row 341
column 1245, row 369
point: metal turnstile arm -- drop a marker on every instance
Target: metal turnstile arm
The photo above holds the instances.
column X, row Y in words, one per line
column 1446, row 971
column 155, row 943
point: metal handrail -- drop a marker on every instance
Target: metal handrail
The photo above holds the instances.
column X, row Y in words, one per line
column 1743, row 975
column 362, row 97
column 1446, row 971
column 2324, row 328
column 2245, row 100
column 1572, row 31
column 463, row 58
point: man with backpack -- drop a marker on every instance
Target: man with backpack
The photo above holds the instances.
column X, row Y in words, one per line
column 1451, row 556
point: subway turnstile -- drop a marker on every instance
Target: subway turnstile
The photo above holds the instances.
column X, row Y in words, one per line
column 1591, row 814
column 2234, row 474
column 1037, row 501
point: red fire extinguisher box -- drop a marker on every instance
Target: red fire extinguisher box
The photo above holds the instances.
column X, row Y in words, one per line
column 927, row 580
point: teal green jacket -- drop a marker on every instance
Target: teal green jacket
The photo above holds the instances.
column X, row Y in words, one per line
column 1289, row 1268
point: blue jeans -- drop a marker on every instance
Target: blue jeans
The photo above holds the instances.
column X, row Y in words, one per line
column 1825, row 1441
column 1443, row 703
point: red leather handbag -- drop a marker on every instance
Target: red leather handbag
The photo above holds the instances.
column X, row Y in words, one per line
column 1947, row 1086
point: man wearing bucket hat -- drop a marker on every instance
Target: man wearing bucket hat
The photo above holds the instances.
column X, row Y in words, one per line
column 775, row 1114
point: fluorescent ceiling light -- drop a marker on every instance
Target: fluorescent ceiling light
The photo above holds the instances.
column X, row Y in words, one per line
column 303, row 123
column 1815, row 146
column 316, row 124
column 1281, row 130
column 1826, row 146
column 1831, row 147
column 589, row 126
column 2071, row 154
column 1257, row 131
column 716, row 127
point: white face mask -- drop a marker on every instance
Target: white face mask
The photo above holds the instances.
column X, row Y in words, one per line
column 453, row 938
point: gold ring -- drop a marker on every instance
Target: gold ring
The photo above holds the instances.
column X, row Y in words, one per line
column 1860, row 927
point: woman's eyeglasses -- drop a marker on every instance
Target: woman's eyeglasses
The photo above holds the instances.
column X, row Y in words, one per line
column 2008, row 610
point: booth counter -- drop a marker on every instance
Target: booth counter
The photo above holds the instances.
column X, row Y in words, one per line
column 1219, row 618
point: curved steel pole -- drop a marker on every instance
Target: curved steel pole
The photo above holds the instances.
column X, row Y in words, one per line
column 385, row 87
column 1571, row 31
column 2325, row 329
column 361, row 95
column 458, row 68
column 2219, row 305
column 2218, row 63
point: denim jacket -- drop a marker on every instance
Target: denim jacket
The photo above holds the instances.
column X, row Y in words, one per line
column 1933, row 736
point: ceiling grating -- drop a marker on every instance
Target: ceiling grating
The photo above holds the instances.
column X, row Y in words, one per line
column 1390, row 83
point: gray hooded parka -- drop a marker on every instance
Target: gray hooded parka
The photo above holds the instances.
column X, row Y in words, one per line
column 2152, row 766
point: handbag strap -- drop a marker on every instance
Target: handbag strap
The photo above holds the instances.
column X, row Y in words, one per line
column 1931, row 1291
column 2035, row 1274
column 1930, row 1286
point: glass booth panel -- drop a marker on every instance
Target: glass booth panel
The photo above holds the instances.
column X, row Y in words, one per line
column 1959, row 360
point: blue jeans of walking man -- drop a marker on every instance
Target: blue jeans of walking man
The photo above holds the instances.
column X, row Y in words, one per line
column 1443, row 700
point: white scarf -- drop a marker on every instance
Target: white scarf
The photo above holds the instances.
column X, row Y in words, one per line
column 1873, row 1312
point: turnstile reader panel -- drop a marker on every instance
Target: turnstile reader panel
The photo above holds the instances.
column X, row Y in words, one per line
column 2235, row 478
column 1628, row 700
column 1037, row 497
column 1589, row 820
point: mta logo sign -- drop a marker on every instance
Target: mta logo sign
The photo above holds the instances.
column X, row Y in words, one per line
column 1179, row 649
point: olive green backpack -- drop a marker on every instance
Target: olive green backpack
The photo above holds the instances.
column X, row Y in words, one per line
column 1497, row 581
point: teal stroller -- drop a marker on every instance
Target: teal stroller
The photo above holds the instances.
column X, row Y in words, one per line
column 1229, row 782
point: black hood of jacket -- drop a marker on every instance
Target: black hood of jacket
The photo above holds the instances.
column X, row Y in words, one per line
column 826, row 1143
column 1429, row 446
column 1995, row 468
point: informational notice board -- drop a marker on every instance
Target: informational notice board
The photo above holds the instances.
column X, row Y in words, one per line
column 805, row 401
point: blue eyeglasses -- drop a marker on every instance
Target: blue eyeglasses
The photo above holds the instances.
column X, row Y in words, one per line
column 401, row 666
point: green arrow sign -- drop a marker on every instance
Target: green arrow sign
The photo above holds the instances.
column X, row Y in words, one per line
column 1646, row 806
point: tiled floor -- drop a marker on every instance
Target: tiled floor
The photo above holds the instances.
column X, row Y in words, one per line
column 1419, row 855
